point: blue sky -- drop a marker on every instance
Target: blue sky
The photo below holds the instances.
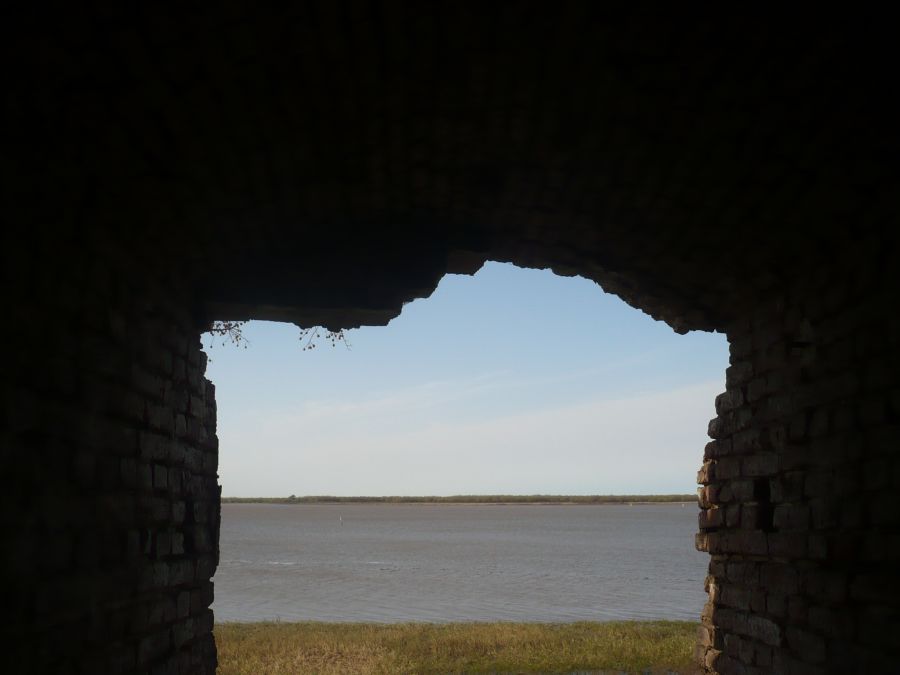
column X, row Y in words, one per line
column 510, row 381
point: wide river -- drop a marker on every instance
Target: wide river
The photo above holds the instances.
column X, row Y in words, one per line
column 456, row 562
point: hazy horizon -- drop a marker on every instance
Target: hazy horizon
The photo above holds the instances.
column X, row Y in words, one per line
column 415, row 495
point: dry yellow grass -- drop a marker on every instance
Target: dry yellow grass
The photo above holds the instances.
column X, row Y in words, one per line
column 357, row 649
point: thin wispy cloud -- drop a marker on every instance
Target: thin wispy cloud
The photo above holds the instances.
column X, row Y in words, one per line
column 640, row 443
column 411, row 398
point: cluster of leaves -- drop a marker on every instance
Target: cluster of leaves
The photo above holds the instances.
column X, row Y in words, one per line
column 232, row 331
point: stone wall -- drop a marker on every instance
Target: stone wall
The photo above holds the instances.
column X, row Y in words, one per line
column 328, row 164
column 800, row 482
column 109, row 465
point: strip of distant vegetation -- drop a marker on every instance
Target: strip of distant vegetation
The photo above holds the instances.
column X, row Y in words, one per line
column 469, row 499
column 353, row 648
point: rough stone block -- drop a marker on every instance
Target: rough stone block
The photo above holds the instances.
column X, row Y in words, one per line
column 738, row 374
column 154, row 446
column 786, row 545
column 717, row 428
column 752, row 516
column 181, row 572
column 765, row 630
column 749, row 440
column 747, row 543
column 741, row 490
column 742, row 572
column 711, row 659
column 760, row 464
column 727, row 468
column 710, row 518
column 160, row 418
column 183, row 632
column 735, row 597
column 791, row 517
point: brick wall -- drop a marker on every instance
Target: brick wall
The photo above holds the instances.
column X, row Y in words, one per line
column 109, row 464
column 799, row 487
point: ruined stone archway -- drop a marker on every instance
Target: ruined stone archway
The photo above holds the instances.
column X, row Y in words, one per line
column 327, row 166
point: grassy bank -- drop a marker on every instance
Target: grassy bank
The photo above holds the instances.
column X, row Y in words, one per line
column 469, row 499
column 330, row 648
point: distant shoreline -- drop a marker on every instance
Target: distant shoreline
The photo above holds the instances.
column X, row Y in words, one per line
column 472, row 499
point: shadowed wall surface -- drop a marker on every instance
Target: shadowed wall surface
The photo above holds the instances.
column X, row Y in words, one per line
column 331, row 162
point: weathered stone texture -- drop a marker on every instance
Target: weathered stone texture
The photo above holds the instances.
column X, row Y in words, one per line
column 809, row 462
column 115, row 493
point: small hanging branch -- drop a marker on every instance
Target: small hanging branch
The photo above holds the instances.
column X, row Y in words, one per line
column 232, row 331
column 311, row 335
column 229, row 331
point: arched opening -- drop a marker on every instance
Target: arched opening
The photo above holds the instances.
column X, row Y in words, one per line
column 509, row 382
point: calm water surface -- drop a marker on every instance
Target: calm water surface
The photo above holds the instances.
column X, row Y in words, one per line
column 454, row 562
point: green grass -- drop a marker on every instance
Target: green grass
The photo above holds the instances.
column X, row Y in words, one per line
column 355, row 648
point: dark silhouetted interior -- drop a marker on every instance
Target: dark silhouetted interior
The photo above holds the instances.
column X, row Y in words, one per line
column 326, row 163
